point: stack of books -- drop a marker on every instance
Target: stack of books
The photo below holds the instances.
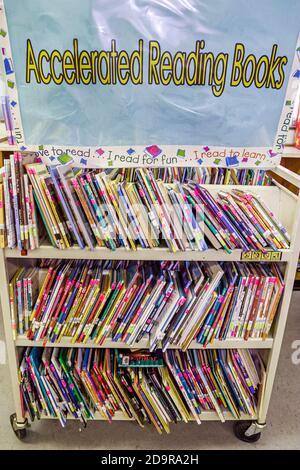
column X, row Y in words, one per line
column 149, row 388
column 169, row 303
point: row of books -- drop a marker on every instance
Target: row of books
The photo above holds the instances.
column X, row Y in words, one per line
column 209, row 175
column 92, row 208
column 171, row 303
column 149, row 388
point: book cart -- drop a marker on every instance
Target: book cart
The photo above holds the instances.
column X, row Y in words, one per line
column 285, row 205
column 283, row 202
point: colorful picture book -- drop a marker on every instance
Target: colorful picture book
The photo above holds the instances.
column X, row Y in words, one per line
column 159, row 389
column 170, row 304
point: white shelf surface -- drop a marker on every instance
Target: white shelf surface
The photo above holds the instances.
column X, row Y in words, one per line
column 159, row 254
column 205, row 416
column 234, row 343
column 291, row 152
column 9, row 148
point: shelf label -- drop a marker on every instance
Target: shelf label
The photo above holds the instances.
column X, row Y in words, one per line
column 253, row 255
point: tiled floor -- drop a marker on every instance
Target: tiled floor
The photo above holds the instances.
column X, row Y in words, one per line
column 282, row 431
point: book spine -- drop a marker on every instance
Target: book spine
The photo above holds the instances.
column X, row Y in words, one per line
column 20, row 307
column 15, row 202
column 13, row 308
column 29, row 213
column 2, row 218
column 34, row 217
column 23, row 203
column 9, row 214
column 25, row 304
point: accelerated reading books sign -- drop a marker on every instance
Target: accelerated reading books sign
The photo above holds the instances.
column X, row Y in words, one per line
column 150, row 82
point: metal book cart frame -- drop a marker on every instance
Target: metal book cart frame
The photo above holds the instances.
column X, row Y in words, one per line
column 284, row 203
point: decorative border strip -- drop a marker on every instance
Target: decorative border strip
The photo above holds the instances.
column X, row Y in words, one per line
column 11, row 83
column 159, row 156
column 286, row 114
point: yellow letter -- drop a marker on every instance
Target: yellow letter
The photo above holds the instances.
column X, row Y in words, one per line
column 138, row 57
column 252, row 62
column 31, row 64
column 104, row 57
column 85, row 65
column 193, row 57
column 56, row 78
column 123, row 65
column 219, row 81
column 260, row 81
column 239, row 53
column 283, row 61
column 44, row 55
column 181, row 58
column 166, row 66
column 68, row 64
column 153, row 61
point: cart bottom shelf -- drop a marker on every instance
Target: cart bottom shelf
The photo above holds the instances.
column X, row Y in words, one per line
column 205, row 416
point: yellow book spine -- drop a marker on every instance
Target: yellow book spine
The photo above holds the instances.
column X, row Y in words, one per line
column 227, row 176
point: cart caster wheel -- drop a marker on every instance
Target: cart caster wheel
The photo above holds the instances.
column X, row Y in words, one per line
column 240, row 428
column 19, row 432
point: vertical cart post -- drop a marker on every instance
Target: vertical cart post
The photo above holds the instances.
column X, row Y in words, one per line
column 289, row 279
column 18, row 420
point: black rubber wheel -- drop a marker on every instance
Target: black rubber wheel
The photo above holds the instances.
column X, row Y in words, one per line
column 20, row 433
column 239, row 429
